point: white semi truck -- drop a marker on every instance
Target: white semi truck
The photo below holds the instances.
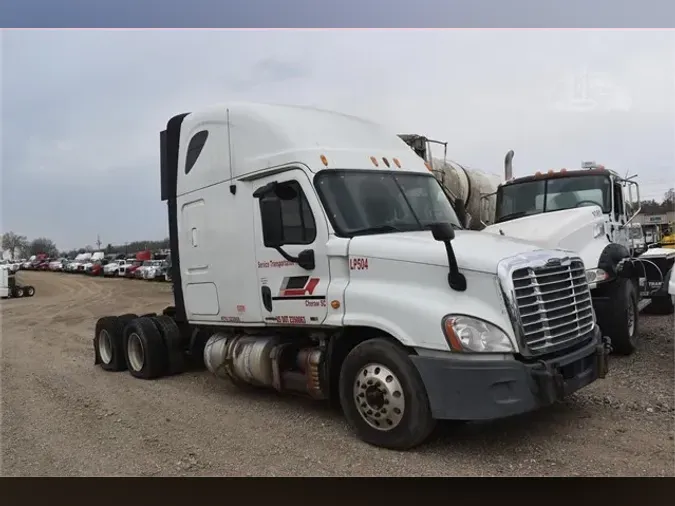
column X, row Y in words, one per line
column 9, row 288
column 585, row 211
column 314, row 252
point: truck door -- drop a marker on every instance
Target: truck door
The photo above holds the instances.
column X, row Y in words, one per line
column 290, row 294
column 620, row 232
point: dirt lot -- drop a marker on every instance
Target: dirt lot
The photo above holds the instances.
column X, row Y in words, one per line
column 61, row 416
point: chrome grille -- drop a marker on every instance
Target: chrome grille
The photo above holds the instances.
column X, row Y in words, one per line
column 554, row 305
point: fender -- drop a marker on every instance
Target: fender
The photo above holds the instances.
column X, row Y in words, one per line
column 610, row 257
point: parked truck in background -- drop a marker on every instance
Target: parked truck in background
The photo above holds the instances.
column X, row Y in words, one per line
column 586, row 211
column 10, row 288
column 313, row 252
column 636, row 235
column 473, row 187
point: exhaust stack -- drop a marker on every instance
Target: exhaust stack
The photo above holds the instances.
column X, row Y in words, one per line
column 508, row 165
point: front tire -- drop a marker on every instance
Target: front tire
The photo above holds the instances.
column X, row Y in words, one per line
column 383, row 397
column 30, row 291
column 18, row 292
column 621, row 323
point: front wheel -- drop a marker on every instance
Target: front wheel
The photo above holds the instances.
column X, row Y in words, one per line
column 383, row 397
column 621, row 323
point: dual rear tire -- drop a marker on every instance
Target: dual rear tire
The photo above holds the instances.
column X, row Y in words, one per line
column 148, row 347
column 23, row 291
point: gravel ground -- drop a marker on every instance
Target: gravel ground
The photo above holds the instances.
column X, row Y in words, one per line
column 61, row 416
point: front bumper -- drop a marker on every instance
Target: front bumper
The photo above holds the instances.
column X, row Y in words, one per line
column 460, row 389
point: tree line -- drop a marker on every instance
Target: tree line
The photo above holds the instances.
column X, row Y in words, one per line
column 20, row 246
column 654, row 207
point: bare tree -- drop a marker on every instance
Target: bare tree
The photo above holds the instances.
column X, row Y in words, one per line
column 15, row 243
column 43, row 245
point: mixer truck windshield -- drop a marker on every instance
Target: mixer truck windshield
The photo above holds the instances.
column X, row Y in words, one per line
column 374, row 202
column 554, row 194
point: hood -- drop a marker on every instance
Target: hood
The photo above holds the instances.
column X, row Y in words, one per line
column 552, row 230
column 475, row 251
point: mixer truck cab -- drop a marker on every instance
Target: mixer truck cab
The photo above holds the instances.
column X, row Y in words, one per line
column 587, row 211
column 314, row 252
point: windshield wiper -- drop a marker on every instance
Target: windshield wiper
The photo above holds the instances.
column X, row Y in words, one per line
column 512, row 216
column 377, row 230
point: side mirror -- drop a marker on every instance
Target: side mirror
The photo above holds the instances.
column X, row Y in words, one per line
column 272, row 222
column 460, row 210
column 442, row 231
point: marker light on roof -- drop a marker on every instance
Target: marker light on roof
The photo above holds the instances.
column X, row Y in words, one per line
column 396, row 162
column 386, row 162
column 538, row 173
column 324, row 160
column 562, row 171
column 551, row 171
column 374, row 160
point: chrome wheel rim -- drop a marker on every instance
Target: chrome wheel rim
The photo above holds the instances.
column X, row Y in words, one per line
column 105, row 346
column 379, row 397
column 136, row 352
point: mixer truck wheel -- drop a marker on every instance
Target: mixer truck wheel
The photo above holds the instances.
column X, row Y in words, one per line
column 146, row 354
column 383, row 396
column 30, row 291
column 621, row 323
column 18, row 292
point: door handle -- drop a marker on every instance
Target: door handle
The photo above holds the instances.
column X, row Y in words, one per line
column 266, row 297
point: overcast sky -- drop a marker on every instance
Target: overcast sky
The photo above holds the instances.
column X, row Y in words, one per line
column 82, row 110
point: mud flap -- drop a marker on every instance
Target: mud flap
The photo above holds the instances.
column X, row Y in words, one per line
column 602, row 356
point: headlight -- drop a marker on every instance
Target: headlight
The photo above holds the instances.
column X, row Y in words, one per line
column 465, row 333
column 596, row 275
column 598, row 230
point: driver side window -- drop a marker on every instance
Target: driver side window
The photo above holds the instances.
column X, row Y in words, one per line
column 299, row 226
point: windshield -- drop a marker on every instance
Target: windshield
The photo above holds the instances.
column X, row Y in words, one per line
column 547, row 195
column 369, row 202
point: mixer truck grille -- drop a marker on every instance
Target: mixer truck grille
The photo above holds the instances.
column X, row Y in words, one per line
column 554, row 305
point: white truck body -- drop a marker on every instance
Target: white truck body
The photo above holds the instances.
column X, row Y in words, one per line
column 313, row 251
column 114, row 268
column 285, row 144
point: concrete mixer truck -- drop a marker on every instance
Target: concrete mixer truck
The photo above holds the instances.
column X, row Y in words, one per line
column 586, row 211
column 474, row 188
